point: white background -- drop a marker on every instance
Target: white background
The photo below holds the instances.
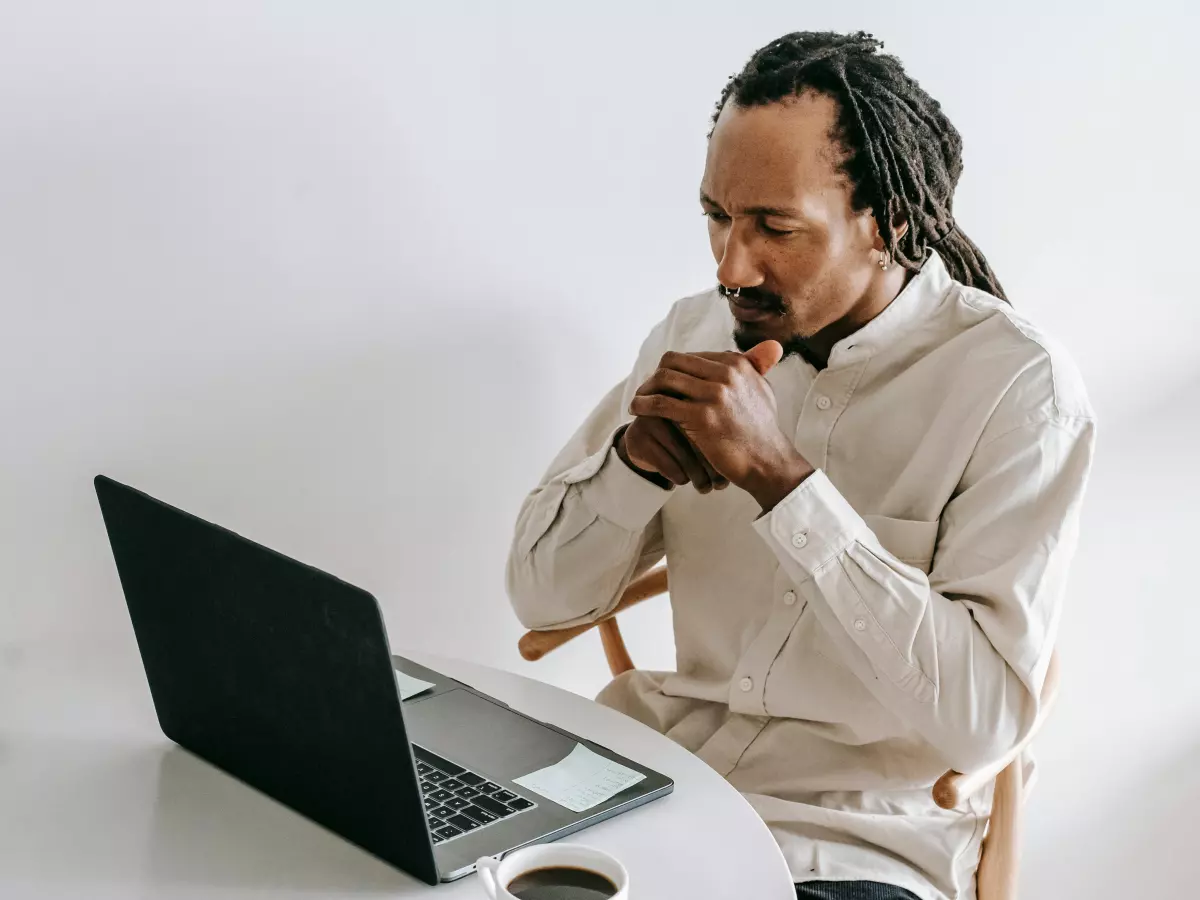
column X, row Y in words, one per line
column 344, row 276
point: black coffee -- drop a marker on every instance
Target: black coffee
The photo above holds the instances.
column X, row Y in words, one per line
column 561, row 883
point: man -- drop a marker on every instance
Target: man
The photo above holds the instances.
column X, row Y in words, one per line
column 874, row 597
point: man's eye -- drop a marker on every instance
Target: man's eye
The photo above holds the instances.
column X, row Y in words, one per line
column 716, row 216
column 778, row 232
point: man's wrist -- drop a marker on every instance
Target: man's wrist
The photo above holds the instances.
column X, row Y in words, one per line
column 653, row 477
column 770, row 487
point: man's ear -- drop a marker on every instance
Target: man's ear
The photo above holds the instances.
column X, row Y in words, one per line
column 899, row 226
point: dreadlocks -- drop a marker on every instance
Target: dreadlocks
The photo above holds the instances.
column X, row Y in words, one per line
column 902, row 156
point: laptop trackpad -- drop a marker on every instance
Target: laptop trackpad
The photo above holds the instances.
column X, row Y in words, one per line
column 482, row 735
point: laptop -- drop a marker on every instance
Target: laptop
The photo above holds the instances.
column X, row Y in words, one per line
column 281, row 675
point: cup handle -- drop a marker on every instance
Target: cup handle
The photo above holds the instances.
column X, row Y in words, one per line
column 486, row 866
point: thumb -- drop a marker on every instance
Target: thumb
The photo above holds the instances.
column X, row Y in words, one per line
column 765, row 356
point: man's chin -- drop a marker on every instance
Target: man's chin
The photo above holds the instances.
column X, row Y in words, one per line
column 749, row 334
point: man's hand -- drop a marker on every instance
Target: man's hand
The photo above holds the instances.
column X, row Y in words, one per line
column 655, row 449
column 726, row 409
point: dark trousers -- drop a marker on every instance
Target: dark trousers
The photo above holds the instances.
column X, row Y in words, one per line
column 851, row 890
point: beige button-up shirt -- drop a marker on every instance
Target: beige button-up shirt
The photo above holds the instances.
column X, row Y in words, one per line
column 890, row 619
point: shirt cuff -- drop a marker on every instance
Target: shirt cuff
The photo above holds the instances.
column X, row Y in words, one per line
column 812, row 525
column 616, row 492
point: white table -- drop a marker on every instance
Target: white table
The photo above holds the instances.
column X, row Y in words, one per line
column 95, row 803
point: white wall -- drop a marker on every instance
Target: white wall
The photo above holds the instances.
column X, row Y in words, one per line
column 344, row 276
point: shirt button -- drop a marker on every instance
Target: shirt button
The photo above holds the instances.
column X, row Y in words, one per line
column 789, row 598
column 824, row 403
column 860, row 624
column 746, row 684
column 799, row 539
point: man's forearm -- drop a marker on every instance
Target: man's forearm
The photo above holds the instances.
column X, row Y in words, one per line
column 773, row 485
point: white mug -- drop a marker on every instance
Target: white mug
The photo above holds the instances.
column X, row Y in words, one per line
column 496, row 874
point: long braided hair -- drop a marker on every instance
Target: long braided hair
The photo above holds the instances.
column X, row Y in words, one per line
column 902, row 155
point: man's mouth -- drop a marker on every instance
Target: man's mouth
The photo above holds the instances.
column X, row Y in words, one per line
column 747, row 306
column 750, row 312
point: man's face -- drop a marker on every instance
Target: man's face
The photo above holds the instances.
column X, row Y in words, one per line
column 781, row 224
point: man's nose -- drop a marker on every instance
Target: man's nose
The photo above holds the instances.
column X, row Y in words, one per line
column 737, row 267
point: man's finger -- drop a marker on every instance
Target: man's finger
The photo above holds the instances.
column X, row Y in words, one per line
column 674, row 383
column 765, row 356
column 715, row 478
column 723, row 357
column 705, row 366
column 681, row 449
column 719, row 481
column 653, row 456
column 661, row 407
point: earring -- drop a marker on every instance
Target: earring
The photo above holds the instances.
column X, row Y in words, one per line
column 738, row 292
column 884, row 260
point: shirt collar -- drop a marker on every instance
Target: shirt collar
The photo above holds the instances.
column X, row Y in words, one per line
column 923, row 294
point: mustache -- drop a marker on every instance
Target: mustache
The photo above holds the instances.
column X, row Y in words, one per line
column 756, row 296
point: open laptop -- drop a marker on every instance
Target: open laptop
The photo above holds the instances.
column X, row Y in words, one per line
column 281, row 675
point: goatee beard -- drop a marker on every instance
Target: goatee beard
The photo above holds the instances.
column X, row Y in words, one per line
column 793, row 346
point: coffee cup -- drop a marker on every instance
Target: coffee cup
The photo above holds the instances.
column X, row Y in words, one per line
column 553, row 870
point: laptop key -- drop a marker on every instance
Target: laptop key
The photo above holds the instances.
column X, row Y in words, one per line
column 429, row 804
column 452, row 784
column 471, row 778
column 424, row 768
column 463, row 823
column 435, row 776
column 437, row 838
column 482, row 816
column 435, row 823
column 519, row 803
column 457, row 803
column 504, row 796
column 428, row 787
column 449, row 831
column 489, row 787
column 441, row 796
column 437, row 762
column 442, row 812
column 467, row 792
column 495, row 807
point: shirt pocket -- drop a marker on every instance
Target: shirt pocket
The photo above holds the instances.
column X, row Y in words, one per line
column 911, row 541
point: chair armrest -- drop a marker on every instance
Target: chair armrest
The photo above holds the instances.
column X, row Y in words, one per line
column 536, row 644
column 955, row 787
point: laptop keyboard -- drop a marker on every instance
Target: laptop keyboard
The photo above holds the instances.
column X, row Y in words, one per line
column 459, row 801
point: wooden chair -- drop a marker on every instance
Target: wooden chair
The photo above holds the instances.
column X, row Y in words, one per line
column 998, row 864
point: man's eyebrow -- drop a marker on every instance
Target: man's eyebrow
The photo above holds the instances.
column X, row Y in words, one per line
column 779, row 211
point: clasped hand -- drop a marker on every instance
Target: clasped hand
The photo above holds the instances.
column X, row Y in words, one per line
column 710, row 419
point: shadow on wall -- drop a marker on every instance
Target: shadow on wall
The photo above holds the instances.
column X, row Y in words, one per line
column 1121, row 754
column 1139, row 843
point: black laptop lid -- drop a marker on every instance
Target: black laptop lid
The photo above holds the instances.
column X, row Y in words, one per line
column 274, row 671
